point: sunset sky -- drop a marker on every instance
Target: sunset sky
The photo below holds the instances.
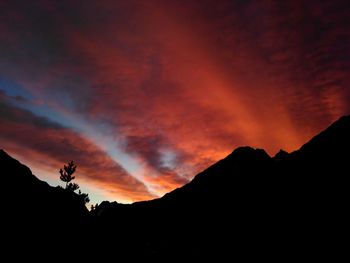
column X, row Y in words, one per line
column 145, row 94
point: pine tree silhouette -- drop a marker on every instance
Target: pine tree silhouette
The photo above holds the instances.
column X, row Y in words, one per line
column 66, row 175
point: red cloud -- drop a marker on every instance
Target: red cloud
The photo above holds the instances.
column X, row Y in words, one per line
column 194, row 79
column 167, row 181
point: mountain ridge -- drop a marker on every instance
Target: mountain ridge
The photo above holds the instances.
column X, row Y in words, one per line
column 292, row 203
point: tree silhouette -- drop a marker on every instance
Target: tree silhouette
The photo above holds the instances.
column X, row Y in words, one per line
column 73, row 186
column 84, row 197
column 66, row 175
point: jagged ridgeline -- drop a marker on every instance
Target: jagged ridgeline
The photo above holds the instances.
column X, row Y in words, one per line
column 248, row 203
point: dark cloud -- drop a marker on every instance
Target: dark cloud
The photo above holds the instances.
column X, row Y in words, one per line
column 13, row 114
column 146, row 146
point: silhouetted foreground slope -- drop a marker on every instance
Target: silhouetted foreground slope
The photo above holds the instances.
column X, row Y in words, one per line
column 39, row 222
column 249, row 204
column 33, row 211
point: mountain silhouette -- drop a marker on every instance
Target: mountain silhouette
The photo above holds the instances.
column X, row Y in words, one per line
column 288, row 204
column 248, row 204
column 33, row 212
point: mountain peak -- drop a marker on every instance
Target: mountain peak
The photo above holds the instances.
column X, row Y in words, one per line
column 245, row 150
column 282, row 154
column 246, row 153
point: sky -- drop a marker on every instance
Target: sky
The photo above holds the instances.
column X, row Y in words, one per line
column 143, row 95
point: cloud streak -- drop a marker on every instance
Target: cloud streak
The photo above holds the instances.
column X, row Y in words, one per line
column 57, row 144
